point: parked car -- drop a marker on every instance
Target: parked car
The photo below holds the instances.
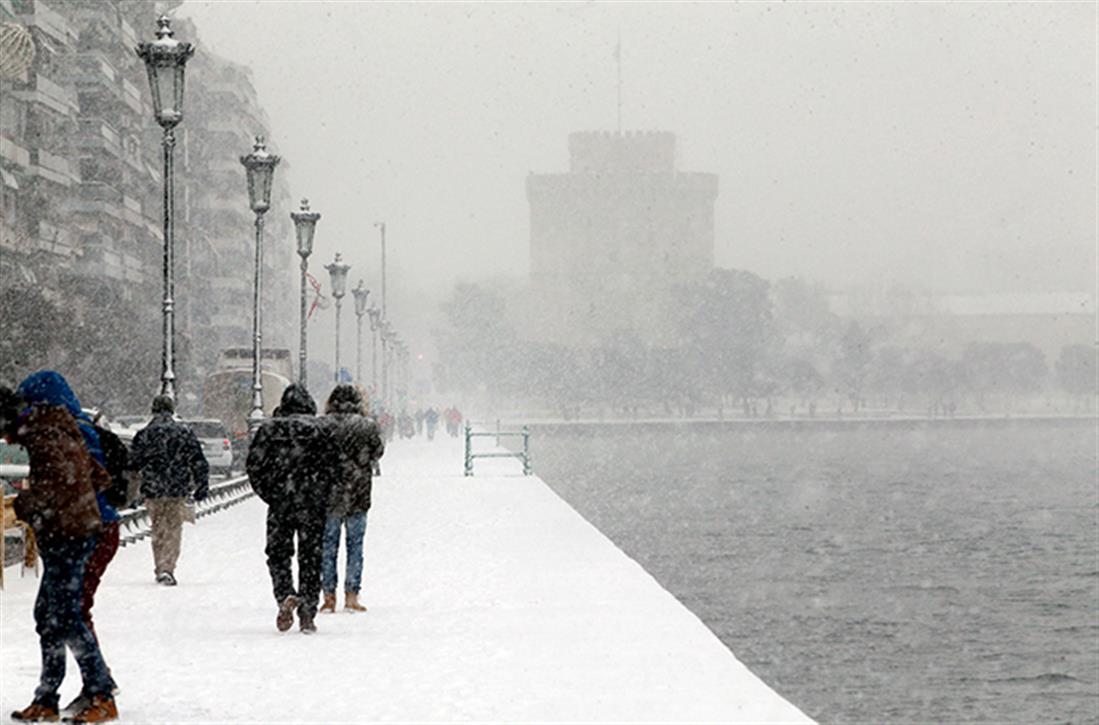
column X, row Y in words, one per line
column 216, row 446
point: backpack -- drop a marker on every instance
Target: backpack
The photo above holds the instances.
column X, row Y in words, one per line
column 121, row 493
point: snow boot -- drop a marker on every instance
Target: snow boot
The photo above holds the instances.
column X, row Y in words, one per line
column 101, row 708
column 285, row 618
column 351, row 602
column 329, row 602
column 79, row 703
column 35, row 713
column 307, row 624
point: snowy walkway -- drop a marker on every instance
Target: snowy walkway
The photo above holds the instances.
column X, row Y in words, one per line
column 489, row 598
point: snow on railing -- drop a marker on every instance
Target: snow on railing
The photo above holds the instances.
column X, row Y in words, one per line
column 135, row 525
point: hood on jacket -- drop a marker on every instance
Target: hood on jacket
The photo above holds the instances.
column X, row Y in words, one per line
column 48, row 387
column 344, row 399
column 296, row 400
column 51, row 388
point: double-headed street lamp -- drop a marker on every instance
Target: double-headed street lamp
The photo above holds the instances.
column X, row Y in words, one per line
column 260, row 166
column 165, row 59
column 305, row 224
column 337, row 270
column 361, row 294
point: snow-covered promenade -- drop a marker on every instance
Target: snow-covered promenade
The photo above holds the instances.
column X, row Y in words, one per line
column 489, row 599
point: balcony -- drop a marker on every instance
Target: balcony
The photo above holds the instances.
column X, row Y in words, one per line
column 98, row 198
column 14, row 153
column 131, row 96
column 50, row 22
column 131, row 210
column 129, row 36
column 96, row 134
column 54, row 168
column 42, row 90
column 54, row 239
column 91, row 69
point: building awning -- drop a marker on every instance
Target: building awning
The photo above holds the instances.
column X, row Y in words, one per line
column 9, row 179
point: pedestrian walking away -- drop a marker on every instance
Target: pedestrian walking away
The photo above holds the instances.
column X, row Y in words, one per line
column 357, row 443
column 59, row 504
column 169, row 457
column 292, row 467
column 431, row 419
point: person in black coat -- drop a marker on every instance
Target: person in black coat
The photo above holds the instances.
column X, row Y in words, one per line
column 291, row 465
column 173, row 468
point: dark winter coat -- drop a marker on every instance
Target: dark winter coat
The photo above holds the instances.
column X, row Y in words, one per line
column 170, row 460
column 291, row 462
column 59, row 502
column 358, row 443
column 49, row 387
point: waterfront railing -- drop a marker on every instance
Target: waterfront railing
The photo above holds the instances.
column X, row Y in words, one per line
column 523, row 455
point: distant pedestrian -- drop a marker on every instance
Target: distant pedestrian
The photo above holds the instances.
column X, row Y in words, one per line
column 431, row 420
column 173, row 468
column 292, row 467
column 357, row 443
column 419, row 421
column 454, row 421
column 59, row 504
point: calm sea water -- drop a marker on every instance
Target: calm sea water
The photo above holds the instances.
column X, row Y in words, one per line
column 868, row 575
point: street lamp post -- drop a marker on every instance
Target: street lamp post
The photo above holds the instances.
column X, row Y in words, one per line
column 165, row 59
column 385, row 334
column 381, row 226
column 337, row 270
column 305, row 225
column 375, row 323
column 260, row 167
column 361, row 293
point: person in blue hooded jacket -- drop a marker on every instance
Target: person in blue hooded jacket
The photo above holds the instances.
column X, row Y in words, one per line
column 61, row 505
column 48, row 387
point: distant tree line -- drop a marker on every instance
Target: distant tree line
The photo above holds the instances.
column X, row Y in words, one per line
column 745, row 347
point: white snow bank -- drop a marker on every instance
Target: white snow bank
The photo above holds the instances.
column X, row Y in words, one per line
column 489, row 599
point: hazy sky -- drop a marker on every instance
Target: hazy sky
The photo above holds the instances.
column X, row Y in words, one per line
column 942, row 145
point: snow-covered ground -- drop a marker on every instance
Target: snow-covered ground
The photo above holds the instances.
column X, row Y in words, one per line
column 489, row 599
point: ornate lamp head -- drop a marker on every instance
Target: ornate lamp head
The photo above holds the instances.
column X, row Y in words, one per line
column 260, row 166
column 305, row 224
column 337, row 270
column 360, row 293
column 165, row 59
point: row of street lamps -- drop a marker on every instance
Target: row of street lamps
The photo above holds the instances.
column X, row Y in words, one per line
column 165, row 60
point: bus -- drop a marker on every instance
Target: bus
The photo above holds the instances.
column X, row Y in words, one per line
column 227, row 392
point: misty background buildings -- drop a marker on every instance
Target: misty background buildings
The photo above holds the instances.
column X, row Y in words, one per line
column 886, row 250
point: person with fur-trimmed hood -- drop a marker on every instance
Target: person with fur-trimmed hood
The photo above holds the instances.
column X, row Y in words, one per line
column 358, row 445
column 292, row 467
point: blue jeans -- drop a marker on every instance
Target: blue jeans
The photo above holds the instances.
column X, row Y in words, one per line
column 356, row 529
column 60, row 625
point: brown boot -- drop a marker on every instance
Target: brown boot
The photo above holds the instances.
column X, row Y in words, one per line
column 329, row 602
column 35, row 713
column 100, row 709
column 285, row 618
column 351, row 602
